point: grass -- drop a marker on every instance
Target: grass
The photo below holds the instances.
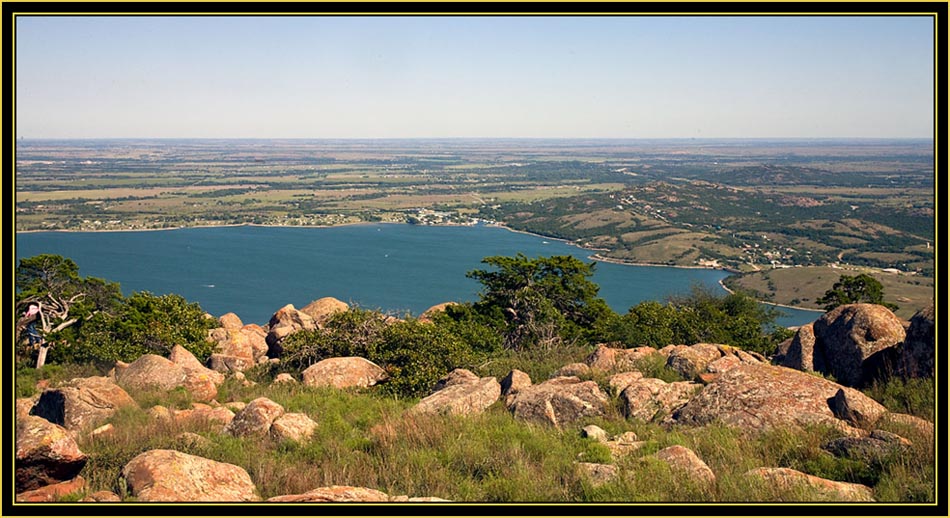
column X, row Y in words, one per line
column 365, row 438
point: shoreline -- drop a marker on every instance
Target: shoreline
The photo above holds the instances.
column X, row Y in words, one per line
column 594, row 257
column 723, row 286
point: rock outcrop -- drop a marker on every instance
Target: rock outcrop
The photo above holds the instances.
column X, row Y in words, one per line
column 515, row 381
column 53, row 492
column 45, row 454
column 346, row 372
column 200, row 381
column 572, row 369
column 292, row 427
column 611, row 360
column 172, row 476
column 789, row 480
column 686, row 461
column 915, row 358
column 558, row 401
column 286, row 321
column 765, row 396
column 255, row 419
column 846, row 342
column 461, row 395
column 82, row 402
column 690, row 360
column 335, row 494
column 322, row 310
column 430, row 313
column 151, row 371
column 650, row 398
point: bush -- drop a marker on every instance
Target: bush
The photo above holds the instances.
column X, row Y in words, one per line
column 142, row 324
column 417, row 354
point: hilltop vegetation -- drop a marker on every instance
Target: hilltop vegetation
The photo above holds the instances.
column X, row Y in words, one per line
column 539, row 316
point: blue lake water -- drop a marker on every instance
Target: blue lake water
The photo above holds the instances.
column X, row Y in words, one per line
column 253, row 271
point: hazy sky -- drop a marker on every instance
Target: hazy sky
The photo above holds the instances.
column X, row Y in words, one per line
column 336, row 77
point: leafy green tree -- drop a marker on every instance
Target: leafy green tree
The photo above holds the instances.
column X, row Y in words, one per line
column 65, row 299
column 855, row 289
column 702, row 316
column 541, row 301
column 143, row 324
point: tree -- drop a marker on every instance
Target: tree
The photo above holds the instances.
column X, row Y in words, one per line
column 853, row 290
column 541, row 301
column 65, row 299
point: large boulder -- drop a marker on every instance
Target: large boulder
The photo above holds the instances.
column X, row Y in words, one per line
column 172, row 476
column 916, row 354
column 650, row 398
column 761, row 396
column 461, row 398
column 200, row 381
column 850, row 334
column 248, row 342
column 801, row 351
column 255, row 419
column 82, row 402
column 515, row 381
column 686, row 461
column 335, row 494
column 345, row 372
column 285, row 322
column 456, row 377
column 292, row 427
column 45, row 454
column 690, row 360
column 612, row 360
column 572, row 369
column 53, row 492
column 224, row 363
column 151, row 371
column 321, row 310
column 230, row 321
column 558, row 401
column 787, row 479
column 428, row 314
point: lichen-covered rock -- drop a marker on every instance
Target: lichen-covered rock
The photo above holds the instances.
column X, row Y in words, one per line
column 218, row 418
column 801, row 351
column 594, row 432
column 916, row 354
column 151, row 371
column 226, row 363
column 292, row 427
column 286, row 321
column 558, row 401
column 854, row 407
column 850, row 334
column 172, row 476
column 230, row 321
column 45, row 454
column 102, row 496
column 610, row 359
column 346, row 372
column 598, row 474
column 456, row 377
column 430, row 313
column 53, row 492
column 24, row 405
column 916, row 425
column 622, row 380
column 335, row 494
column 761, row 396
column 690, row 360
column 684, row 460
column 82, row 402
column 572, row 369
column 322, row 310
column 515, row 381
column 650, row 398
column 788, row 479
column 255, row 419
column 283, row 377
column 462, row 397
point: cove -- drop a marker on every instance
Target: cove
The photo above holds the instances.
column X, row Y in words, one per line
column 253, row 271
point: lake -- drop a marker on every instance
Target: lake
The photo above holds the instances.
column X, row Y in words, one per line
column 254, row 271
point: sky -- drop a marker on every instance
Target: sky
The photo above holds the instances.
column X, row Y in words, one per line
column 437, row 77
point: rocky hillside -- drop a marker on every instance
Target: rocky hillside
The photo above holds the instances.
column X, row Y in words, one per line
column 612, row 425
